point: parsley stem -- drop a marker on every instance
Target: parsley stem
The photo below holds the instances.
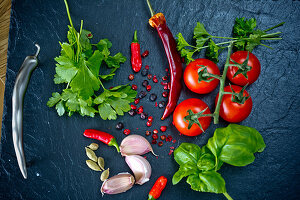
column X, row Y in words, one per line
column 227, row 196
column 102, row 85
column 222, row 84
column 221, row 43
column 271, row 34
column 266, row 46
column 271, row 38
column 68, row 12
column 274, row 27
column 229, row 38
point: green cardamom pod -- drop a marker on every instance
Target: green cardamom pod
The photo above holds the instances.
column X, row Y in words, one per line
column 101, row 162
column 93, row 146
column 104, row 175
column 91, row 154
column 93, row 165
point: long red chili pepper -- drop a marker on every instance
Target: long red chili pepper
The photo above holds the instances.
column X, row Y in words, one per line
column 136, row 58
column 157, row 188
column 102, row 136
column 158, row 21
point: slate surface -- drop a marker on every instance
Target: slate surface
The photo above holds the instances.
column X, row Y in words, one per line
column 54, row 146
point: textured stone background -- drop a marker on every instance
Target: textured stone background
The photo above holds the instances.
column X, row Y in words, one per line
column 54, row 146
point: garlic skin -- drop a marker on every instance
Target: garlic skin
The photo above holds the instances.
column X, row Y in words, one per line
column 140, row 167
column 117, row 184
column 135, row 145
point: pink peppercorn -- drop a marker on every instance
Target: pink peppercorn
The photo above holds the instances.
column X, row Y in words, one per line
column 134, row 87
column 136, row 101
column 126, row 131
column 155, row 136
column 160, row 143
column 163, row 128
column 155, row 131
column 154, row 141
column 148, row 88
column 145, row 54
column 133, row 107
column 149, row 123
column 147, row 67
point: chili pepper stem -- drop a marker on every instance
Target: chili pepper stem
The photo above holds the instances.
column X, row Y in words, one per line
column 227, row 196
column 135, row 40
column 150, row 8
column 114, row 143
column 222, row 85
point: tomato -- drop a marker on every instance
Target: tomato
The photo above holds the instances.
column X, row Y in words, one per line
column 231, row 111
column 191, row 76
column 253, row 73
column 196, row 105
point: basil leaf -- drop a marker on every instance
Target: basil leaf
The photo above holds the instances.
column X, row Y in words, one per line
column 236, row 144
column 187, row 152
column 207, row 160
column 213, row 182
column 184, row 170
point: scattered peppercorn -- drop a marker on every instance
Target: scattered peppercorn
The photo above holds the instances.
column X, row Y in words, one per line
column 155, row 131
column 148, row 133
column 132, row 112
column 161, row 104
column 155, row 136
column 119, row 126
column 163, row 137
column 134, row 87
column 140, row 110
column 152, row 97
column 142, row 94
column 165, row 78
column 165, row 87
column 149, row 123
column 131, row 77
column 133, row 107
column 154, row 141
column 145, row 54
column 167, row 69
column 165, row 94
column 136, row 101
column 163, row 128
column 170, row 137
column 147, row 67
column 174, row 141
column 126, row 131
column 143, row 115
column 160, row 143
column 155, row 80
column 150, row 118
column 144, row 72
column 148, row 88
column 145, row 83
column 149, row 76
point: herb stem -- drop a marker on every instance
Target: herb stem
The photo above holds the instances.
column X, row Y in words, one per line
column 68, row 12
column 221, row 43
column 229, row 38
column 271, row 34
column 150, row 8
column 266, row 46
column 227, row 196
column 102, row 85
column 274, row 27
column 222, row 85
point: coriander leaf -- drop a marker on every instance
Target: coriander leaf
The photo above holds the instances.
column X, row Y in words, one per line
column 60, row 108
column 243, row 27
column 65, row 68
column 212, row 52
column 107, row 112
column 107, row 76
column 86, row 108
column 54, row 99
column 84, row 40
column 187, row 152
column 94, row 62
column 58, row 80
column 67, row 50
column 103, row 46
column 181, row 43
column 85, row 82
column 114, row 61
column 184, row 170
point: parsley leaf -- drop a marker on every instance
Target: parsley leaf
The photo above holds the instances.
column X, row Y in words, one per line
column 79, row 66
column 212, row 52
column 201, row 35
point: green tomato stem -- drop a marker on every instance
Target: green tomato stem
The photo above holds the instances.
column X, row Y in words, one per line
column 212, row 75
column 227, row 196
column 222, row 85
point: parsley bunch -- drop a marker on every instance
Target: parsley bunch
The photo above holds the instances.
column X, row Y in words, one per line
column 78, row 66
column 245, row 38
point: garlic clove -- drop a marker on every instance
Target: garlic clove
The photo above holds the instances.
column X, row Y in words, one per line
column 135, row 145
column 140, row 167
column 117, row 184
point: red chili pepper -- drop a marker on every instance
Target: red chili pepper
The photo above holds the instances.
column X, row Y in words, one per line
column 102, row 136
column 136, row 59
column 157, row 188
column 158, row 21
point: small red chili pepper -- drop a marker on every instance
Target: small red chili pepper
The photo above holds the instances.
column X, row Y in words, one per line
column 136, row 59
column 157, row 188
column 158, row 21
column 102, row 136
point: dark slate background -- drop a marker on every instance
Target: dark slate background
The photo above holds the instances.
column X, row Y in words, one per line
column 54, row 146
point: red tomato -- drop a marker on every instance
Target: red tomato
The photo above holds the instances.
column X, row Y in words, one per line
column 231, row 111
column 190, row 76
column 196, row 105
column 240, row 79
